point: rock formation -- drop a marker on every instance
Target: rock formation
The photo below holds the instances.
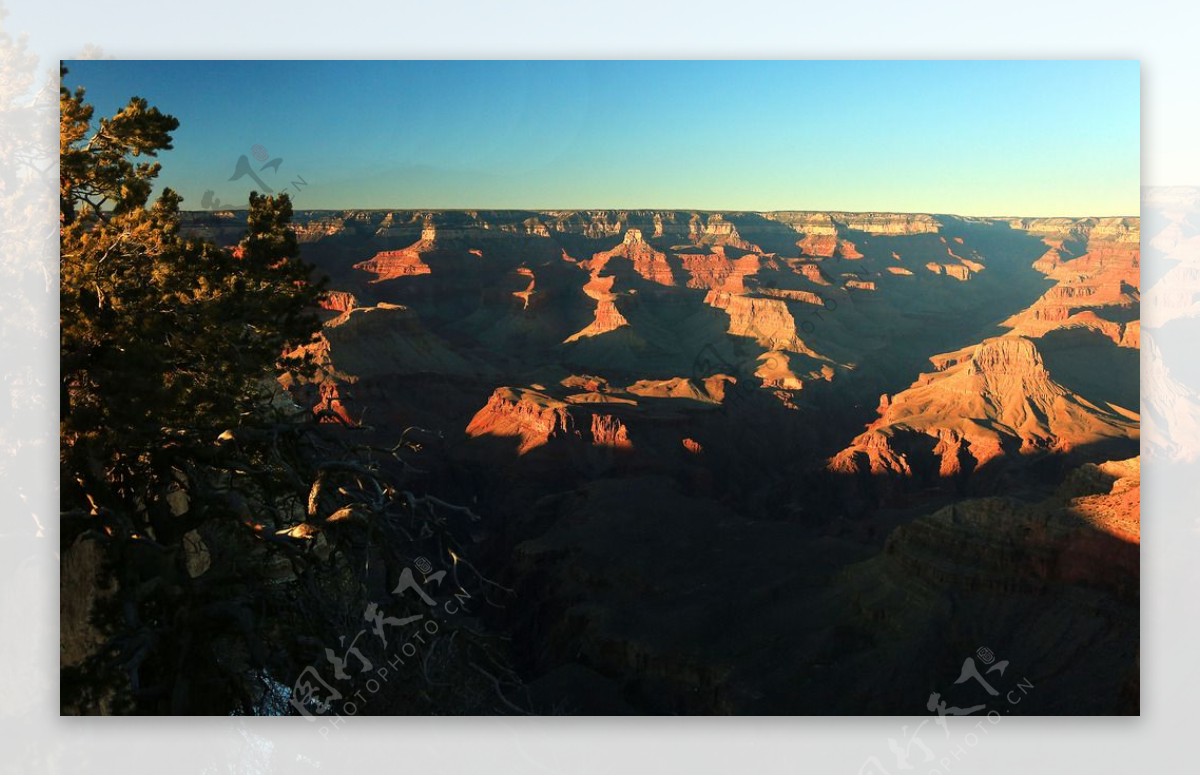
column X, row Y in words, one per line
column 339, row 301
column 766, row 321
column 647, row 262
column 607, row 316
column 1095, row 266
column 530, row 416
column 983, row 402
column 536, row 419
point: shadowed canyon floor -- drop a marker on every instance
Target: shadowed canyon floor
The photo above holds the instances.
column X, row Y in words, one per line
column 788, row 462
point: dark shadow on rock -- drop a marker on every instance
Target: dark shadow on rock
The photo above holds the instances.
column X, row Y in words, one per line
column 1090, row 364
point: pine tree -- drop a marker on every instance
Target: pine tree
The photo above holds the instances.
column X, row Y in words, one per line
column 214, row 539
column 163, row 336
column 170, row 350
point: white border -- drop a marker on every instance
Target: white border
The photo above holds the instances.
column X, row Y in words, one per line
column 1161, row 35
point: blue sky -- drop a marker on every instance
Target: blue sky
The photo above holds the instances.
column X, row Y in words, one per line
column 972, row 138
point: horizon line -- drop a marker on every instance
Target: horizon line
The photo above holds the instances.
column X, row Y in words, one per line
column 296, row 208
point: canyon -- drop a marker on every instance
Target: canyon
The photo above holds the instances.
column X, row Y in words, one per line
column 762, row 463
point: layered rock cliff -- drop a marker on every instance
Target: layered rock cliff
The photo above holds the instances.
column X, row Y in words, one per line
column 607, row 317
column 1096, row 267
column 647, row 262
column 983, row 402
column 535, row 419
